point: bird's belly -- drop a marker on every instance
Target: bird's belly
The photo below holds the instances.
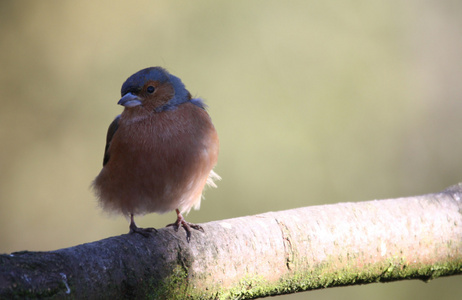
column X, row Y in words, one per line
column 141, row 186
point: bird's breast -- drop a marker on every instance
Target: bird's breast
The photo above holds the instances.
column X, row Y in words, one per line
column 160, row 161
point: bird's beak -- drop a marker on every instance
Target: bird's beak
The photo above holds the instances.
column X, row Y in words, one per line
column 129, row 100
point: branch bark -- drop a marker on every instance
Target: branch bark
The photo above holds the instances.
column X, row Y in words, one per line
column 268, row 254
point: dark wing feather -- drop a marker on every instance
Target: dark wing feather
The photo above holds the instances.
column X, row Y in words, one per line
column 110, row 133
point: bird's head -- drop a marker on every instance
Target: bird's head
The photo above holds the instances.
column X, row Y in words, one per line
column 156, row 90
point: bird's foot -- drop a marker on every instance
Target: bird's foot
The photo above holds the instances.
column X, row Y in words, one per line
column 181, row 222
column 143, row 231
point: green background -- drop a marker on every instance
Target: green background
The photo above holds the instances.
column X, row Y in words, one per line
column 315, row 102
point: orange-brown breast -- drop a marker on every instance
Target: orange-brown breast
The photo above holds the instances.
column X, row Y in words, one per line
column 159, row 162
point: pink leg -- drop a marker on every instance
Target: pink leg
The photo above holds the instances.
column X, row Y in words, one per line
column 181, row 222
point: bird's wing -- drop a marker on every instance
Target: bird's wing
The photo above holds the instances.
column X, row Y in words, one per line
column 110, row 133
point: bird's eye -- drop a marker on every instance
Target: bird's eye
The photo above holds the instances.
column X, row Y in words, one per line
column 150, row 89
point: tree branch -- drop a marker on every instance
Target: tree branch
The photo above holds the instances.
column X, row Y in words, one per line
column 267, row 254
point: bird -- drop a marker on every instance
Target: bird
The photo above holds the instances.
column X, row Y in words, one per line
column 160, row 151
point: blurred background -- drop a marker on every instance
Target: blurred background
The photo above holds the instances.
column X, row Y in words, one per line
column 314, row 102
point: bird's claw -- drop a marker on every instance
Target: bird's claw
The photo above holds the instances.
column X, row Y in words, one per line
column 181, row 222
column 143, row 231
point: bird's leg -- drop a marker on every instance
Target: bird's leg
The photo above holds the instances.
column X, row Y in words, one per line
column 135, row 229
column 181, row 222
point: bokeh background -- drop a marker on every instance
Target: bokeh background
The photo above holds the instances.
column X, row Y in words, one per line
column 315, row 102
